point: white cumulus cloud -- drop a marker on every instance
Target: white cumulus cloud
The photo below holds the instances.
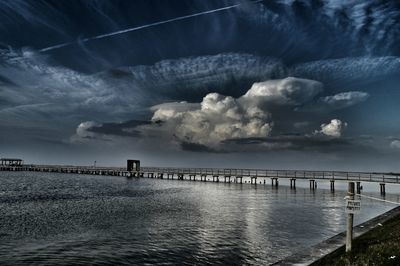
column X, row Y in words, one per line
column 288, row 91
column 334, row 128
column 218, row 117
column 395, row 144
column 83, row 132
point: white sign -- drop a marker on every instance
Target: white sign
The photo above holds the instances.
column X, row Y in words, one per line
column 353, row 206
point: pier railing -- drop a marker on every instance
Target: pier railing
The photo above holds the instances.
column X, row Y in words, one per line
column 298, row 174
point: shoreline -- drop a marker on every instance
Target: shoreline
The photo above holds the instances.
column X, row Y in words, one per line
column 315, row 253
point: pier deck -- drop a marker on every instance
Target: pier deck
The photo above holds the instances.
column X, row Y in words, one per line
column 219, row 174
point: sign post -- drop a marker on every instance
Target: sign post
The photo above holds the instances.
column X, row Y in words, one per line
column 350, row 216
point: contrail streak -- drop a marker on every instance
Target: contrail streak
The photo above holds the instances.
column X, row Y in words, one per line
column 143, row 27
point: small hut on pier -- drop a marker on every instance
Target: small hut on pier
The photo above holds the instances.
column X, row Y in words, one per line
column 133, row 165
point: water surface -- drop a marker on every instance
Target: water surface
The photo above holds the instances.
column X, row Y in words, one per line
column 64, row 219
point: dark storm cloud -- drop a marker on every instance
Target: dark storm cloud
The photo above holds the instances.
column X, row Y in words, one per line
column 297, row 141
column 124, row 129
column 293, row 141
column 194, row 147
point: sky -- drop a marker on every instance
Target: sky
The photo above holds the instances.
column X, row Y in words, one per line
column 231, row 83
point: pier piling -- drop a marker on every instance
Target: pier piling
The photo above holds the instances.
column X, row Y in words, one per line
column 313, row 184
column 293, row 183
column 350, row 217
column 332, row 185
column 382, row 188
column 358, row 187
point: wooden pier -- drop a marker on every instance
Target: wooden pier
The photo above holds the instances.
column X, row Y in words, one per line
column 221, row 175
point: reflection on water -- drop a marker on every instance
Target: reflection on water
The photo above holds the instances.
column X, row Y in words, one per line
column 69, row 219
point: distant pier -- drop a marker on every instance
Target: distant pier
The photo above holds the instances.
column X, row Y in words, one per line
column 134, row 170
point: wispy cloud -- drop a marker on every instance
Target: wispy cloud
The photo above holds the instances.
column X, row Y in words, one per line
column 336, row 102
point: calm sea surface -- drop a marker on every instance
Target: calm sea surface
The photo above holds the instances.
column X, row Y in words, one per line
column 64, row 219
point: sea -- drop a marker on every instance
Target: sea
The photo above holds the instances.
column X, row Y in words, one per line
column 71, row 219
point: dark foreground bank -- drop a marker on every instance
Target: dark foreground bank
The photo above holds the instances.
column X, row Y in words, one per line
column 380, row 246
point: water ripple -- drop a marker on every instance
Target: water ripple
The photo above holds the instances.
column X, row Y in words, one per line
column 60, row 219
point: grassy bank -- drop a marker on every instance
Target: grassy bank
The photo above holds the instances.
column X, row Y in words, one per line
column 380, row 246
